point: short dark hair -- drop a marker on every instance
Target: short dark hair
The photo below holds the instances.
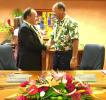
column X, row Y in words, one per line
column 59, row 5
column 27, row 12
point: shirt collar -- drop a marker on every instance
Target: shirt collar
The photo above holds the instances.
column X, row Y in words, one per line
column 27, row 23
column 62, row 19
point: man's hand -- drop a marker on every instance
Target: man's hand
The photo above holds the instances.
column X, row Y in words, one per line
column 49, row 44
column 73, row 63
column 43, row 54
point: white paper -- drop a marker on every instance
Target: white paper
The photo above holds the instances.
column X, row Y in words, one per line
column 104, row 71
column 86, row 77
column 18, row 77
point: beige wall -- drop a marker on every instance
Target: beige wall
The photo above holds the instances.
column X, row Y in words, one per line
column 90, row 14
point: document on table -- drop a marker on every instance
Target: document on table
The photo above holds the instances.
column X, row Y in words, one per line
column 86, row 77
column 104, row 71
column 18, row 77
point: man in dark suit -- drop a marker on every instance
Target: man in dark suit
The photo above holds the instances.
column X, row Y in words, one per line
column 30, row 44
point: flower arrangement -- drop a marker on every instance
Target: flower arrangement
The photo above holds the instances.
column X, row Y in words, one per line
column 54, row 86
column 7, row 28
column 10, row 28
column 17, row 12
column 6, row 23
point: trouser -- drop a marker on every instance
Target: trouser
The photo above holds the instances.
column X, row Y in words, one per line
column 61, row 60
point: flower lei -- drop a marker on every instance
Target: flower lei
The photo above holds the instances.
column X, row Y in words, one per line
column 54, row 86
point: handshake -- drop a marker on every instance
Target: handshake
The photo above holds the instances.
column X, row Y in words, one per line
column 49, row 45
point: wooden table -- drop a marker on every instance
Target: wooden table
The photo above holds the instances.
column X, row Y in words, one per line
column 7, row 89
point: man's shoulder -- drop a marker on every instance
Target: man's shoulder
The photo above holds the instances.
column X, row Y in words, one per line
column 24, row 25
column 24, row 28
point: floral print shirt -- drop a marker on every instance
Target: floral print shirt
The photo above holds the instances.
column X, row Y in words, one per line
column 64, row 32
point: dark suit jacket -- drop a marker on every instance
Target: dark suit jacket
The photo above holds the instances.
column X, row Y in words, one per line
column 29, row 49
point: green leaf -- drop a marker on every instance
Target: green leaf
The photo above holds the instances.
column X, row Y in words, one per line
column 49, row 93
column 86, row 97
column 64, row 91
column 37, row 96
column 62, row 85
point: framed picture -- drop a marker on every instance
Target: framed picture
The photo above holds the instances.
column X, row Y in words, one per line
column 46, row 21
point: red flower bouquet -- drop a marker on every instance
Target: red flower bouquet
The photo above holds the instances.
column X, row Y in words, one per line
column 55, row 86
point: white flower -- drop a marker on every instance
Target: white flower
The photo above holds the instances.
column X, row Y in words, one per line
column 64, row 81
column 42, row 93
column 58, row 76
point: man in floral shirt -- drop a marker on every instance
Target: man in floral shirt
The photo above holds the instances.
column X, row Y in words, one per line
column 65, row 39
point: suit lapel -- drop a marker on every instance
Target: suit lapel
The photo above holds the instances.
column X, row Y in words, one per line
column 35, row 32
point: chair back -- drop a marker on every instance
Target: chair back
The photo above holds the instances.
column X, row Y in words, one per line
column 93, row 57
column 7, row 61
